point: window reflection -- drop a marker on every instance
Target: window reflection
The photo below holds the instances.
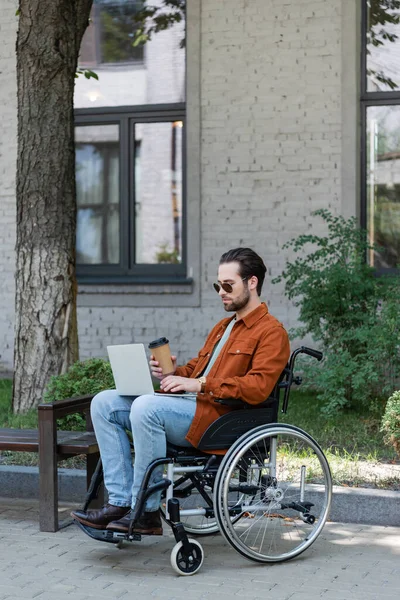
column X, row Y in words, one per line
column 158, row 192
column 97, row 182
column 383, row 45
column 108, row 39
column 383, row 184
column 129, row 75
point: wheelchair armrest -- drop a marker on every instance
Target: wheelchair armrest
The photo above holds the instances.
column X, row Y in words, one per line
column 233, row 402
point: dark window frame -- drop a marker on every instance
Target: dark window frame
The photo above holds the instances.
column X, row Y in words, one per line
column 127, row 271
column 367, row 99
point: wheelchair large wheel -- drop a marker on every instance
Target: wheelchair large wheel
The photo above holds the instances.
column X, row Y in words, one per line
column 283, row 481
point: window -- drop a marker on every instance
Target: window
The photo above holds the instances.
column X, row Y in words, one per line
column 380, row 103
column 130, row 208
column 129, row 137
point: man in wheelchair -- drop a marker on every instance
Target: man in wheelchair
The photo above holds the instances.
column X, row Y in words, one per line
column 242, row 358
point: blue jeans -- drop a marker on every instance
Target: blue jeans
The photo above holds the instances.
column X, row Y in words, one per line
column 153, row 420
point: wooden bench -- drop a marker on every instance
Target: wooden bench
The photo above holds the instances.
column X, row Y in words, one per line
column 53, row 446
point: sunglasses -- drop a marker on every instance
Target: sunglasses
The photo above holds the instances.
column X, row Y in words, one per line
column 227, row 287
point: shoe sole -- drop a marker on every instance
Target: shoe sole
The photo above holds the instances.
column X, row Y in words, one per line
column 88, row 523
column 155, row 531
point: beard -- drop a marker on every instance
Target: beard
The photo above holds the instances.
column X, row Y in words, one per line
column 239, row 303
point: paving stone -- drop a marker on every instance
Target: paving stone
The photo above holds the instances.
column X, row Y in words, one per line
column 347, row 561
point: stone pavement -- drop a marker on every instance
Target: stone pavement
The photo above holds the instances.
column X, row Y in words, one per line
column 347, row 562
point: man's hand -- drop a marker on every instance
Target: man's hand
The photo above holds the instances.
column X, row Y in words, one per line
column 173, row 383
column 155, row 368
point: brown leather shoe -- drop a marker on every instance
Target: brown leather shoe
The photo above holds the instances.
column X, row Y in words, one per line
column 99, row 518
column 148, row 524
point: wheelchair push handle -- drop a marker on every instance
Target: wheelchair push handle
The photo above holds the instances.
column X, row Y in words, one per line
column 289, row 373
column 311, row 352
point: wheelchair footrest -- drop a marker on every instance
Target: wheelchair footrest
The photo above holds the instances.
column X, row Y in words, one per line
column 106, row 535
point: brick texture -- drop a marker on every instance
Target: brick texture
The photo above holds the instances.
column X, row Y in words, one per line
column 270, row 155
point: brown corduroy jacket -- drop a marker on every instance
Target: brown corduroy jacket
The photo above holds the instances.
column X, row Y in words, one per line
column 247, row 367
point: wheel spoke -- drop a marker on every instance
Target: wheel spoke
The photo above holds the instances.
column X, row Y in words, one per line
column 288, row 487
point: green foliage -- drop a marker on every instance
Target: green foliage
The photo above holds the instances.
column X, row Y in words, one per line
column 152, row 19
column 87, row 73
column 86, row 377
column 348, row 432
column 28, row 420
column 118, row 26
column 351, row 313
column 380, row 13
column 165, row 255
column 391, row 422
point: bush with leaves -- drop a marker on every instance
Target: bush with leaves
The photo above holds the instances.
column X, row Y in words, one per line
column 352, row 314
column 82, row 378
column 391, row 422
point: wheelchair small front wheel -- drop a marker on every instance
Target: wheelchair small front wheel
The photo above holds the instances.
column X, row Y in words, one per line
column 187, row 562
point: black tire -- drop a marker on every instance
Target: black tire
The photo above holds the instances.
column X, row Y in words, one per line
column 286, row 489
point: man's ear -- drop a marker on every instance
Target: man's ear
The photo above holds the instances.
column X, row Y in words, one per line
column 253, row 281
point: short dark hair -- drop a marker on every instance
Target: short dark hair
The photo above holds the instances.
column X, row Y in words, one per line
column 250, row 263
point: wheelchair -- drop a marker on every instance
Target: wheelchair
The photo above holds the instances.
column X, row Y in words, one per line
column 269, row 494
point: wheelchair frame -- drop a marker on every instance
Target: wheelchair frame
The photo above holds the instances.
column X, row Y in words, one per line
column 278, row 505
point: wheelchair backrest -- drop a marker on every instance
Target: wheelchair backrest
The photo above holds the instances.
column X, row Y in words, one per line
column 221, row 434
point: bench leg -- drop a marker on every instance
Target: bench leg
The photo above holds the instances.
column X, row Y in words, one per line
column 48, row 483
column 91, row 464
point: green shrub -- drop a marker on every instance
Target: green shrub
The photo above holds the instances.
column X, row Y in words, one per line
column 86, row 377
column 353, row 315
column 391, row 422
column 167, row 255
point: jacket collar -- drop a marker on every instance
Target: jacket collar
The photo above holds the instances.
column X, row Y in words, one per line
column 250, row 319
column 255, row 315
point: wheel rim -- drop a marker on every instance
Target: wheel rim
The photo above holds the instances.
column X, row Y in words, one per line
column 270, row 528
column 187, row 564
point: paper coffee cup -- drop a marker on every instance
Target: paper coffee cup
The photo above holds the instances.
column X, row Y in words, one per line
column 162, row 353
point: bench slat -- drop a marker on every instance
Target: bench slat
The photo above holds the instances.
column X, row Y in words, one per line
column 19, row 440
column 78, row 443
column 68, row 442
column 18, row 433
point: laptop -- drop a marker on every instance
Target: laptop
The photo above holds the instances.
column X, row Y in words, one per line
column 131, row 371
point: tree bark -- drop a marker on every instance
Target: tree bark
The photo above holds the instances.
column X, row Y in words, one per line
column 46, row 339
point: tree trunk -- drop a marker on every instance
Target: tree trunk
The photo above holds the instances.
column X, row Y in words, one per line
column 46, row 340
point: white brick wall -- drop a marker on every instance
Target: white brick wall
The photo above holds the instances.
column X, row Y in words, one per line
column 270, row 148
column 271, row 125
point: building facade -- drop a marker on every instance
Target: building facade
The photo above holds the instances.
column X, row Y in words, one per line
column 283, row 109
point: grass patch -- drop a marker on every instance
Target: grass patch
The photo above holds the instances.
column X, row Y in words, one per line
column 351, row 440
column 7, row 418
column 28, row 420
column 350, row 435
